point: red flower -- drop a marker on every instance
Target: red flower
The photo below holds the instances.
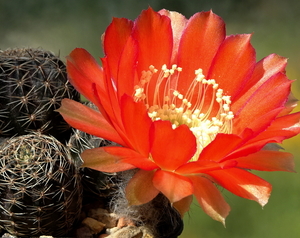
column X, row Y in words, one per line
column 190, row 106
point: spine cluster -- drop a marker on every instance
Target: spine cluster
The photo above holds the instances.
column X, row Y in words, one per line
column 32, row 84
column 40, row 184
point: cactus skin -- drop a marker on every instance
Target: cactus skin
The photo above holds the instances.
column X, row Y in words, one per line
column 41, row 192
column 32, row 84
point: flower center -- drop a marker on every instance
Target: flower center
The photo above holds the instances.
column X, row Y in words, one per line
column 191, row 108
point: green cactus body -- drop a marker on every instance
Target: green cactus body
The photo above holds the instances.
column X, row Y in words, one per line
column 41, row 192
column 32, row 84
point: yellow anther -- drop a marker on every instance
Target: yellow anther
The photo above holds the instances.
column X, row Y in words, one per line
column 164, row 68
column 226, row 107
column 198, row 71
column 196, row 112
column 139, row 92
column 172, row 106
column 215, row 86
column 166, row 74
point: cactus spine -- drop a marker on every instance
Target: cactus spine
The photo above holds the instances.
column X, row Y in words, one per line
column 96, row 184
column 32, row 84
column 40, row 187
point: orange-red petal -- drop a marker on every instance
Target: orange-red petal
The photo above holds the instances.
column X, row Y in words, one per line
column 114, row 41
column 259, row 104
column 88, row 120
column 100, row 159
column 284, row 127
column 262, row 122
column 203, row 166
column 264, row 69
column 204, row 33
column 126, row 78
column 268, row 160
column 112, row 104
column 132, row 157
column 174, row 186
column 183, row 205
column 136, row 123
column 220, row 147
column 178, row 23
column 233, row 64
column 83, row 72
column 210, row 198
column 166, row 143
column 153, row 34
column 140, row 188
column 243, row 184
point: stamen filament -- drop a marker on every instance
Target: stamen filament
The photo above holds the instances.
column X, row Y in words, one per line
column 189, row 108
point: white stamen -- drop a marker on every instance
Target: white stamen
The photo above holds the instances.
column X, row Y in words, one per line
column 205, row 118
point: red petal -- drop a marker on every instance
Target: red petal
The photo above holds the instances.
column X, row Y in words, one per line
column 204, row 33
column 233, row 64
column 178, row 23
column 183, row 205
column 175, row 187
column 243, row 184
column 220, row 147
column 264, row 70
column 261, row 122
column 126, row 79
column 88, row 120
column 271, row 95
column 140, row 188
column 267, row 160
column 130, row 156
column 121, row 51
column 83, row 72
column 282, row 128
column 287, row 126
column 210, row 198
column 153, row 33
column 170, row 148
column 203, row 166
column 252, row 146
column 100, row 159
column 136, row 123
column 112, row 106
column 114, row 40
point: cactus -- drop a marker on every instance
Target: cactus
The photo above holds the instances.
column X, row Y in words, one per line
column 32, row 84
column 40, row 187
column 96, row 184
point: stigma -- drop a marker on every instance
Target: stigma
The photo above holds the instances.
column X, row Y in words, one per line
column 203, row 107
